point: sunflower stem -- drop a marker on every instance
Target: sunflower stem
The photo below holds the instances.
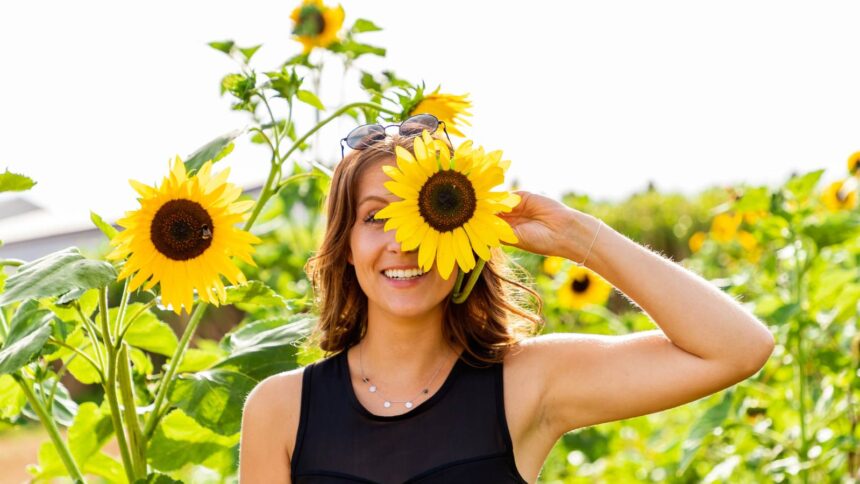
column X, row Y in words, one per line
column 138, row 449
column 175, row 360
column 92, row 333
column 110, row 388
column 53, row 432
column 81, row 354
column 120, row 314
column 473, row 278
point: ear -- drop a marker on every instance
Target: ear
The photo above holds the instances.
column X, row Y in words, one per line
column 349, row 257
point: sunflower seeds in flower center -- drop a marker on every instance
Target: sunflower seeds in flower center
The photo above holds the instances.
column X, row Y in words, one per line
column 181, row 229
column 447, row 200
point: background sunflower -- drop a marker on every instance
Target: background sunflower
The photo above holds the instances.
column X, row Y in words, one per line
column 184, row 236
column 581, row 287
column 315, row 24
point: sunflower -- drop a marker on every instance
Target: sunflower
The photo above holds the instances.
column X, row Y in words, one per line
column 184, row 235
column 839, row 195
column 581, row 287
column 725, row 226
column 316, row 25
column 450, row 108
column 697, row 240
column 854, row 163
column 447, row 210
column 552, row 264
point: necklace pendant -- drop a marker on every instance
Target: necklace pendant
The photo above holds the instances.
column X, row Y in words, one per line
column 408, row 404
column 386, row 404
column 372, row 389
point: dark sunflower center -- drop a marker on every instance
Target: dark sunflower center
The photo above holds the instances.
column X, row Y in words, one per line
column 447, row 200
column 311, row 22
column 580, row 284
column 181, row 229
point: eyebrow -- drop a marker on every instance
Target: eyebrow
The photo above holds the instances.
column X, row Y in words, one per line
column 372, row 197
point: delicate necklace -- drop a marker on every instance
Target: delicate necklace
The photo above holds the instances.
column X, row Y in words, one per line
column 386, row 402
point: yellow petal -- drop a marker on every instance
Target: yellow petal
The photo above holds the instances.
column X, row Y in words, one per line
column 401, row 190
column 427, row 250
column 445, row 255
column 465, row 258
column 412, row 242
column 477, row 244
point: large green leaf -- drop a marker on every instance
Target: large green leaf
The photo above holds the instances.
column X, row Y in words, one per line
column 255, row 294
column 147, row 331
column 266, row 347
column 179, row 440
column 712, row 418
column 57, row 274
column 213, row 398
column 801, row 186
column 213, row 150
column 12, row 398
column 28, row 333
column 832, row 229
column 13, row 182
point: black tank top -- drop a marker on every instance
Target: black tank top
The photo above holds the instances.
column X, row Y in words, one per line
column 459, row 434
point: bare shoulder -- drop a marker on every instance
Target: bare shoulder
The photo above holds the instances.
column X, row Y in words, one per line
column 269, row 423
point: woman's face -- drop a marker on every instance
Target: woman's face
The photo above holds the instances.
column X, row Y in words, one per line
column 374, row 251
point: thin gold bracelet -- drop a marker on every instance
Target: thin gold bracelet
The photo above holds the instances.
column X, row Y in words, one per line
column 600, row 224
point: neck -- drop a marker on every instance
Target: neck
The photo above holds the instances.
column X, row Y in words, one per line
column 404, row 350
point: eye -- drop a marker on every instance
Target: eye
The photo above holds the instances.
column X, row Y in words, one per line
column 370, row 220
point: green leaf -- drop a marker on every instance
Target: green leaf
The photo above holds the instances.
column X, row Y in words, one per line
column 51, row 466
column 712, row 418
column 105, row 227
column 213, row 398
column 12, row 398
column 225, row 46
column 355, row 49
column 753, row 200
column 63, row 408
column 147, row 331
column 57, row 274
column 310, row 98
column 369, row 83
column 13, row 182
column 832, row 229
column 89, row 432
column 211, row 151
column 248, row 52
column 363, row 25
column 157, row 478
column 196, row 359
column 67, row 312
column 784, row 313
column 179, row 440
column 80, row 368
column 255, row 294
column 28, row 332
column 266, row 347
column 801, row 186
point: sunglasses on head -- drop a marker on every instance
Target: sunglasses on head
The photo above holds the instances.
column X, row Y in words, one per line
column 369, row 134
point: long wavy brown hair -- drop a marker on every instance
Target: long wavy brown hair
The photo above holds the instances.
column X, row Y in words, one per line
column 500, row 311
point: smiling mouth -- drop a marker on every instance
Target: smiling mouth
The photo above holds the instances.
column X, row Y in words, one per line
column 403, row 275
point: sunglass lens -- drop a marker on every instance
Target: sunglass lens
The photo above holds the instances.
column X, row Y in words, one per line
column 416, row 124
column 364, row 136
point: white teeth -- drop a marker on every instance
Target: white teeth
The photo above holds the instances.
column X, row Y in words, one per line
column 403, row 274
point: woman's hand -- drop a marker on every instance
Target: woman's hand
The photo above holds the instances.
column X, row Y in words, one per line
column 547, row 227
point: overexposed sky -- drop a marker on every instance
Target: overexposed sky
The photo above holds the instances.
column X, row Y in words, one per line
column 592, row 97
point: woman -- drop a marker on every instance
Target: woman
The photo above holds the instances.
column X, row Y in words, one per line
column 421, row 389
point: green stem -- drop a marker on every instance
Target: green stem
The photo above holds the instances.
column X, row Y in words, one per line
column 801, row 360
column 274, row 123
column 92, row 332
column 11, row 262
column 120, row 314
column 110, row 389
column 132, row 319
column 175, row 360
column 81, row 354
column 4, row 325
column 51, row 427
column 138, row 449
column 460, row 297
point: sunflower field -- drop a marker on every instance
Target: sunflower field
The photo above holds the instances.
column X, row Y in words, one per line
column 137, row 325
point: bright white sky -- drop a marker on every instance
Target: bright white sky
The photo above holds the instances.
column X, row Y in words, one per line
column 592, row 97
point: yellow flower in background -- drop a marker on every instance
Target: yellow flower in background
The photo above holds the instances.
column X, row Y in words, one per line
column 450, row 108
column 854, row 163
column 552, row 264
column 184, row 236
column 315, row 24
column 724, row 226
column 696, row 241
column 582, row 287
column 747, row 240
column 447, row 209
column 752, row 216
column 839, row 196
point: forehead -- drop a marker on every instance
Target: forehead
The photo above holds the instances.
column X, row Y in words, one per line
column 372, row 180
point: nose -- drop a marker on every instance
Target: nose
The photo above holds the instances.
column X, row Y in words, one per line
column 392, row 245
